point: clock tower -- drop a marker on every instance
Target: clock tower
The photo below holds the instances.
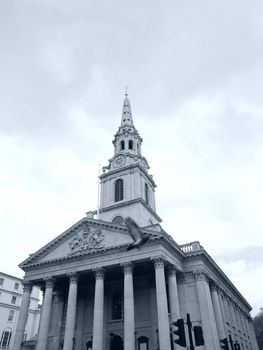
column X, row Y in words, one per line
column 127, row 189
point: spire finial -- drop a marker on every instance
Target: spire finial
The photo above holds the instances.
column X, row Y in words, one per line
column 126, row 90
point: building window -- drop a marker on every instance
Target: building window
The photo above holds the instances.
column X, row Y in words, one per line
column 130, row 144
column 89, row 345
column 146, row 188
column 116, row 306
column 16, row 286
column 118, row 220
column 5, row 339
column 143, row 343
column 116, row 342
column 13, row 300
column 11, row 315
column 122, row 145
column 118, row 190
column 1, row 281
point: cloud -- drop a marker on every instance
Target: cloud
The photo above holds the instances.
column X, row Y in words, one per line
column 194, row 72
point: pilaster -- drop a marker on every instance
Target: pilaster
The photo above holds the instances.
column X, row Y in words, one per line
column 217, row 311
column 206, row 309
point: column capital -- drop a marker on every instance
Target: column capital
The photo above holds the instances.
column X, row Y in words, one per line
column 181, row 278
column 99, row 273
column 214, row 287
column 27, row 286
column 200, row 274
column 158, row 261
column 49, row 282
column 73, row 277
column 127, row 267
column 172, row 270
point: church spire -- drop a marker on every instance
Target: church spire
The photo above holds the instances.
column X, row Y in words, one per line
column 126, row 118
column 127, row 189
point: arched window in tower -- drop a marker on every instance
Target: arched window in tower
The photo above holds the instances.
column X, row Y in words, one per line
column 122, row 144
column 116, row 306
column 146, row 188
column 118, row 190
column 130, row 144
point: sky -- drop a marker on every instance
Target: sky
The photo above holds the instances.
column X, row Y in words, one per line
column 194, row 71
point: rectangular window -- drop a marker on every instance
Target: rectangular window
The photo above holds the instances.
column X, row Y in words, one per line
column 13, row 300
column 1, row 281
column 16, row 286
column 5, row 339
column 11, row 315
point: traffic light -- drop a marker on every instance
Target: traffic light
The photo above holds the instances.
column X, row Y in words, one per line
column 198, row 333
column 180, row 332
column 224, row 344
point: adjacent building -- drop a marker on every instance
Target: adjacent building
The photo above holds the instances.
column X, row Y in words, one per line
column 11, row 291
column 101, row 295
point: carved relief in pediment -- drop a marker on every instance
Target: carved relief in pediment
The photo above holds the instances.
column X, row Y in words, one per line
column 89, row 239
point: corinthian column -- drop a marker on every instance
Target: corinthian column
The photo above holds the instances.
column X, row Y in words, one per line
column 45, row 316
column 21, row 323
column 206, row 310
column 71, row 312
column 162, row 309
column 217, row 312
column 173, row 294
column 129, row 338
column 98, row 310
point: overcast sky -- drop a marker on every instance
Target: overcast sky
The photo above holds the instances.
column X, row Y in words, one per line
column 194, row 71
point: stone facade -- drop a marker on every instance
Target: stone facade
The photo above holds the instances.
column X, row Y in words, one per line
column 11, row 291
column 99, row 295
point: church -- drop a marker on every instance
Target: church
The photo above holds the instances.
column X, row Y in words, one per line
column 102, row 292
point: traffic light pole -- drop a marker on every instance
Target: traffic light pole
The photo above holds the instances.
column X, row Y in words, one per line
column 189, row 326
column 231, row 342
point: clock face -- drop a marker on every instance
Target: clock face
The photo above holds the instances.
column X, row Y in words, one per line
column 119, row 161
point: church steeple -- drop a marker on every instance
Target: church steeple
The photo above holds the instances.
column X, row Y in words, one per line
column 127, row 189
column 126, row 118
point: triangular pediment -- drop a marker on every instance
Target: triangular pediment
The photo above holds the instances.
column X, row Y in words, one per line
column 86, row 236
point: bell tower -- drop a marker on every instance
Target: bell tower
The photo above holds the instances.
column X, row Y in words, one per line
column 127, row 189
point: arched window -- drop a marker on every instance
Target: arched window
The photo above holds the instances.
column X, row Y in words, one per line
column 122, row 144
column 116, row 306
column 118, row 190
column 146, row 188
column 116, row 342
column 130, row 144
column 143, row 343
column 118, row 220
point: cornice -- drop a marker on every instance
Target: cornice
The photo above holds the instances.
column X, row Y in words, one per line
column 129, row 167
column 132, row 201
column 217, row 272
column 84, row 254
